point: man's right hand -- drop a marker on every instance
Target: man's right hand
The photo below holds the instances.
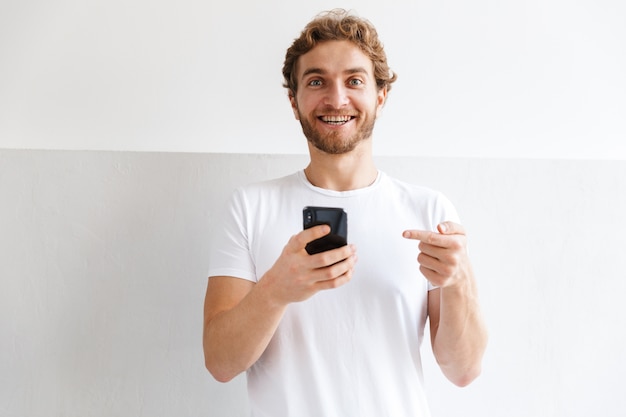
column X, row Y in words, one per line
column 240, row 317
column 296, row 275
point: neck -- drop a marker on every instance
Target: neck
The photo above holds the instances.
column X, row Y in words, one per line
column 343, row 172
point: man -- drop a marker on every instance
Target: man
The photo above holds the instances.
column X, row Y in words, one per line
column 336, row 333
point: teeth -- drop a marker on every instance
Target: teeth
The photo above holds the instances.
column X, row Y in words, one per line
column 336, row 119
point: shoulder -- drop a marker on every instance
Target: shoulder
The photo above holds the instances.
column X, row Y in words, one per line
column 410, row 190
column 422, row 197
column 265, row 188
column 275, row 184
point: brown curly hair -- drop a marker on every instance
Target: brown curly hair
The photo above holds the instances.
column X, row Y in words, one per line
column 338, row 25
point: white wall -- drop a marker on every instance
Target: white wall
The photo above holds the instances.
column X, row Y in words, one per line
column 103, row 254
column 539, row 79
column 104, row 266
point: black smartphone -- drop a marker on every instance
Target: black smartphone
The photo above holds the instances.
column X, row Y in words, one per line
column 336, row 218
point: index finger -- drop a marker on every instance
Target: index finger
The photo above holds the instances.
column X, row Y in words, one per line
column 310, row 234
column 432, row 238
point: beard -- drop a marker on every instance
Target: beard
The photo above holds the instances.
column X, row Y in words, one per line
column 333, row 143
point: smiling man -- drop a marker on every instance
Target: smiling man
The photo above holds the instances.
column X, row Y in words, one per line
column 338, row 101
column 333, row 333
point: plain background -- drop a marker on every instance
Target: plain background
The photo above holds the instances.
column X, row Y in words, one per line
column 104, row 260
column 485, row 78
column 125, row 125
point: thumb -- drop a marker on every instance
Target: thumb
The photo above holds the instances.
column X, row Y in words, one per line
column 450, row 228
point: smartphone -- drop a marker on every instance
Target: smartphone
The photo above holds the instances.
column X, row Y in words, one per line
column 336, row 218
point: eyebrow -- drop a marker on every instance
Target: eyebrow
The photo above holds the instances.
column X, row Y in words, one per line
column 320, row 71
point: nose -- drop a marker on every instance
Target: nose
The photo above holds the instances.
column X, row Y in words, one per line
column 337, row 95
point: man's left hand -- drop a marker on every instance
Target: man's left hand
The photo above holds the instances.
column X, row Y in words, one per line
column 443, row 256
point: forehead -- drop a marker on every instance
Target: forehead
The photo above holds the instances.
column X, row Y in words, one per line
column 334, row 57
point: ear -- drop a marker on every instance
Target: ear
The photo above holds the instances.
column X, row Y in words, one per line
column 381, row 98
column 294, row 104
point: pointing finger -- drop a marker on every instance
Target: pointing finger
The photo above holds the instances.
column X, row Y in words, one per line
column 432, row 238
column 422, row 235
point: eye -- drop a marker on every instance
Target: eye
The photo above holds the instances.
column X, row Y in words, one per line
column 355, row 82
column 315, row 83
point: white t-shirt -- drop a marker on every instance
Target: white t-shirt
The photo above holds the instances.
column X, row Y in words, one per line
column 350, row 351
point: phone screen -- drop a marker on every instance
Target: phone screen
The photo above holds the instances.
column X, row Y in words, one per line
column 336, row 218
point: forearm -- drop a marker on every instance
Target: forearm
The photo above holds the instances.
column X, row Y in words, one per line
column 240, row 318
column 460, row 338
column 234, row 339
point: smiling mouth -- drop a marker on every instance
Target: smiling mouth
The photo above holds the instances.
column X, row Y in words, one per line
column 336, row 120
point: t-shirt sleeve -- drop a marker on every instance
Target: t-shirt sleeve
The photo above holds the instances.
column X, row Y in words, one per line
column 445, row 211
column 229, row 251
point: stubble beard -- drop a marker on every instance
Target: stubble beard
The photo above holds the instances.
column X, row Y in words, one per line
column 332, row 143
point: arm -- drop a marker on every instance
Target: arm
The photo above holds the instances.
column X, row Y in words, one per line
column 458, row 332
column 240, row 317
column 233, row 336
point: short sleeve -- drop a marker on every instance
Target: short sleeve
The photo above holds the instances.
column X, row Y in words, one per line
column 229, row 253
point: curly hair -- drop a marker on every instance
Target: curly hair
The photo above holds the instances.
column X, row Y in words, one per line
column 338, row 25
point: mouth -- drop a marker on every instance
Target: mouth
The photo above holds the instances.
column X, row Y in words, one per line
column 336, row 120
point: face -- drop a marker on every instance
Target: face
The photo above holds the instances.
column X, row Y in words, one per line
column 337, row 101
